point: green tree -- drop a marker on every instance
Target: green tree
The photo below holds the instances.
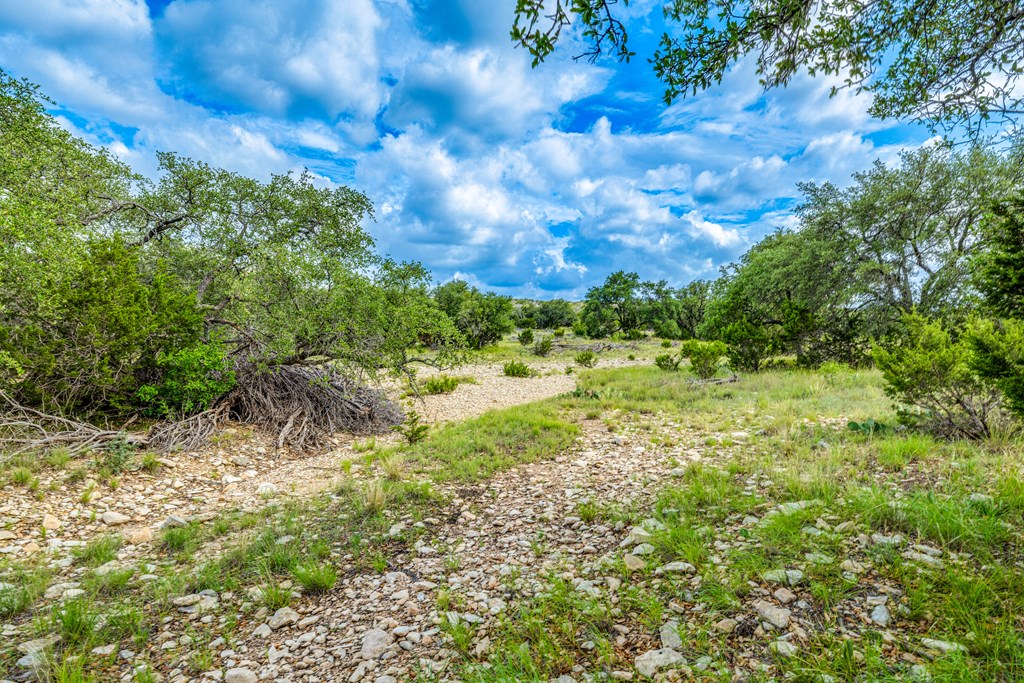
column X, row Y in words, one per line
column 485, row 318
column 999, row 269
column 947, row 62
column 554, row 313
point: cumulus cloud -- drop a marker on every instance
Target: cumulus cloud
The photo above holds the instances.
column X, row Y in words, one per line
column 534, row 182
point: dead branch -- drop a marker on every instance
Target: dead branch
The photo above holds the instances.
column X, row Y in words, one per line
column 24, row 429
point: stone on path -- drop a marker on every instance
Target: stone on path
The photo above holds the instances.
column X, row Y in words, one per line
column 283, row 617
column 776, row 616
column 654, row 661
column 375, row 643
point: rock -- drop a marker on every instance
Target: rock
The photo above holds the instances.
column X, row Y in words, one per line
column 30, row 548
column 112, row 518
column 240, row 460
column 880, row 615
column 927, row 560
column 643, row 549
column 38, row 645
column 50, row 523
column 173, row 521
column 262, row 631
column 283, row 617
column 565, row 679
column 137, row 536
column 266, row 490
column 681, row 567
column 104, row 650
column 784, row 648
column 240, row 676
column 375, row 643
column 633, row 563
column 784, row 595
column 654, row 661
column 726, row 625
column 385, row 679
column 776, row 616
column 670, row 637
column 789, row 577
column 639, row 535
column 942, row 645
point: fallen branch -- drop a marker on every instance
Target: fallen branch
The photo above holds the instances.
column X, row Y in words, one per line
column 24, row 429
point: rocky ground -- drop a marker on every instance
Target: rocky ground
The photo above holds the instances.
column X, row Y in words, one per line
column 655, row 547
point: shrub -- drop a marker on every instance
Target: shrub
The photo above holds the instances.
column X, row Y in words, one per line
column 587, row 359
column 667, row 329
column 525, row 337
column 668, row 362
column 928, row 371
column 517, row 369
column 998, row 357
column 559, row 333
column 412, row 429
column 633, row 334
column 191, row 380
column 666, row 344
column 440, row 384
column 748, row 345
column 704, row 356
column 543, row 347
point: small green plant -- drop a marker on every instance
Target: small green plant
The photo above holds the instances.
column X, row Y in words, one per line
column 58, row 458
column 115, row 458
column 413, row 429
column 99, row 551
column 704, row 356
column 179, row 539
column 666, row 344
column 586, row 359
column 150, row 462
column 525, row 337
column 315, row 577
column 631, row 356
column 363, row 446
column 440, row 384
column 393, row 466
column 559, row 333
column 869, row 427
column 634, row 334
column 274, row 596
column 75, row 621
column 543, row 347
column 517, row 369
column 668, row 362
column 21, row 476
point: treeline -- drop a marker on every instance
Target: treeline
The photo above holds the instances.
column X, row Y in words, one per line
column 918, row 268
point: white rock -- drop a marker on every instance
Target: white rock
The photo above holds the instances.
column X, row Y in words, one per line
column 682, row 567
column 880, row 615
column 942, row 645
column 112, row 518
column 240, row 676
column 670, row 637
column 654, row 661
column 776, row 616
column 283, row 617
column 375, row 643
column 784, row 648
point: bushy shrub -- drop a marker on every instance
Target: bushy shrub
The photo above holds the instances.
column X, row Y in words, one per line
column 587, row 359
column 633, row 334
column 559, row 333
column 704, row 356
column 525, row 337
column 517, row 369
column 748, row 345
column 668, row 362
column 190, row 381
column 667, row 329
column 440, row 384
column 666, row 344
column 998, row 357
column 543, row 347
column 930, row 376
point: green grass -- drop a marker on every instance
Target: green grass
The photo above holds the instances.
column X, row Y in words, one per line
column 475, row 449
column 99, row 550
column 315, row 577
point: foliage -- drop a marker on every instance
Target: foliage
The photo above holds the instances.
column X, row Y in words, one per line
column 586, row 359
column 928, row 370
column 413, row 430
column 748, row 345
column 668, row 362
column 999, row 269
column 485, row 318
column 543, row 347
column 546, row 315
column 868, row 427
column 998, row 357
column 945, row 62
column 517, row 369
column 190, row 381
column 704, row 356
column 525, row 337
column 110, row 283
column 440, row 384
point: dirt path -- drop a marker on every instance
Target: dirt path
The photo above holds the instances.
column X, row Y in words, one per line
column 500, row 538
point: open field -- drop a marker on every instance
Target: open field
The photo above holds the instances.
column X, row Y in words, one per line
column 638, row 527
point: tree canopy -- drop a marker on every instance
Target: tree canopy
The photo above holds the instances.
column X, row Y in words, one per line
column 951, row 63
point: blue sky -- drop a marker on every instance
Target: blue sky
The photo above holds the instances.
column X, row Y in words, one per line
column 532, row 182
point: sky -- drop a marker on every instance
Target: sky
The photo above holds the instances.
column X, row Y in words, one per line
column 530, row 182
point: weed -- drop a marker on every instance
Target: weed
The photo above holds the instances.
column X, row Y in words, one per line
column 586, row 359
column 275, row 597
column 100, row 550
column 517, row 369
column 315, row 577
column 413, row 429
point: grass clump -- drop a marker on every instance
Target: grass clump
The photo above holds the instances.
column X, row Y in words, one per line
column 315, row 577
column 100, row 550
column 516, row 369
column 440, row 384
column 586, row 359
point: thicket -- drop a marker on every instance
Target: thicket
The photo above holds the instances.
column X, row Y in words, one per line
column 121, row 296
column 483, row 318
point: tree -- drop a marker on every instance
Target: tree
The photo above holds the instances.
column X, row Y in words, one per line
column 105, row 276
column 485, row 318
column 947, row 62
column 999, row 269
column 554, row 313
